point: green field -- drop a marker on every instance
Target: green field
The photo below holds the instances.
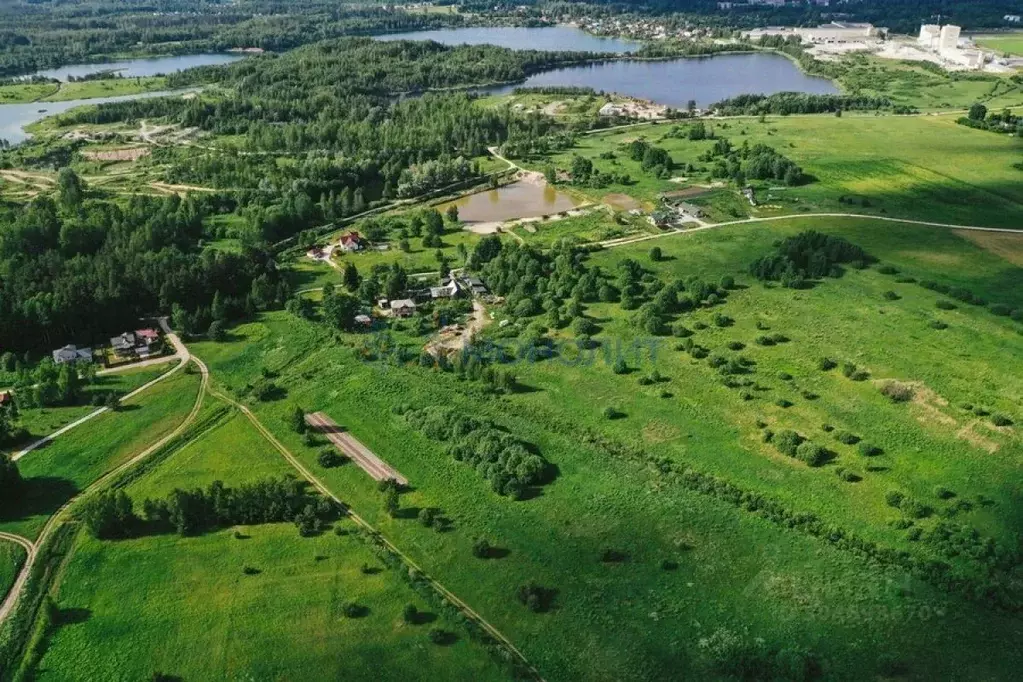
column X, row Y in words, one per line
column 635, row 620
column 62, row 92
column 12, row 556
column 41, row 421
column 920, row 167
column 66, row 466
column 183, row 606
column 1006, row 43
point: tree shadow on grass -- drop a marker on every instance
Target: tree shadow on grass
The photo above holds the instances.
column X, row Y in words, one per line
column 40, row 495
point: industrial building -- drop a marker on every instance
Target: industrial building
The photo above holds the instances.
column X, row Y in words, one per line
column 944, row 42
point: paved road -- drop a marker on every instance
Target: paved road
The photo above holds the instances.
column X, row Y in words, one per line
column 622, row 241
column 12, row 597
column 182, row 355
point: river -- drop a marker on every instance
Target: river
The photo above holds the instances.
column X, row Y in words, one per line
column 136, row 68
column 14, row 117
column 671, row 82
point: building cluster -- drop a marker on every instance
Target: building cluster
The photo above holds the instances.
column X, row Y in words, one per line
column 140, row 344
column 452, row 286
column 835, row 32
column 944, row 42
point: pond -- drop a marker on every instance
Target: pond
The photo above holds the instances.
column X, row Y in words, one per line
column 14, row 117
column 522, row 38
column 483, row 211
column 670, row 82
column 135, row 68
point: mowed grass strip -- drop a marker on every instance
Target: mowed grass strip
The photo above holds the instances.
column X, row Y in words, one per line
column 245, row 603
column 63, row 468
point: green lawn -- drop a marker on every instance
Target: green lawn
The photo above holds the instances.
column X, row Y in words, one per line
column 54, row 92
column 1006, row 43
column 12, row 556
column 635, row 620
column 41, row 421
column 69, row 464
column 183, row 606
column 921, row 167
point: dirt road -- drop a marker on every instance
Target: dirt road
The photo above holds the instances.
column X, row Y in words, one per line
column 367, row 460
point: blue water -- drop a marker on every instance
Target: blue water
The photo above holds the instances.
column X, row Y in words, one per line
column 134, row 68
column 522, row 38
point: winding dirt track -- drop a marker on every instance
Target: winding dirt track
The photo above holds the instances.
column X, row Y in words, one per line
column 344, row 441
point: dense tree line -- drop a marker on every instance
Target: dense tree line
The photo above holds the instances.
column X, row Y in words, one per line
column 997, row 122
column 784, row 103
column 752, row 162
column 509, row 464
column 806, row 256
column 74, row 270
column 191, row 512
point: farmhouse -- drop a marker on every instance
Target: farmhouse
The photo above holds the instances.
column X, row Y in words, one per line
column 350, row 242
column 449, row 288
column 476, row 284
column 404, row 307
column 138, row 343
column 72, row 353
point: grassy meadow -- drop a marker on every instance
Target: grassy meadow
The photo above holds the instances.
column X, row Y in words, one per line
column 58, row 471
column 1006, row 43
column 185, row 607
column 695, row 565
column 919, row 167
column 41, row 421
column 62, row 92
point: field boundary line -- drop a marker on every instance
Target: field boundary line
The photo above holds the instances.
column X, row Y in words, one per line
column 365, row 525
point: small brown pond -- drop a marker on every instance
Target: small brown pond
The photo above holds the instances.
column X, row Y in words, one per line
column 522, row 199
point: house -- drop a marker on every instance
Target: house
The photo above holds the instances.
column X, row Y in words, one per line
column 661, row 219
column 364, row 320
column 449, row 288
column 124, row 345
column 147, row 336
column 72, row 353
column 1012, row 18
column 404, row 307
column 691, row 210
column 476, row 285
column 350, row 242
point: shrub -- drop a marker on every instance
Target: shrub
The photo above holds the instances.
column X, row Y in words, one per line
column 942, row 304
column 783, row 403
column 809, row 395
column 847, row 475
column 612, row 413
column 680, row 330
column 938, row 324
column 619, row 366
column 536, row 598
column 787, row 442
column 891, row 296
column 764, row 341
column 250, row 570
column 746, row 395
column 888, row 269
column 860, row 375
column 811, row 454
column 736, row 345
column 699, row 352
column 727, row 282
column 826, row 364
column 893, row 498
column 668, row 565
column 699, row 325
column 869, row 450
column 784, row 376
column 847, row 438
column 1000, row 309
column 656, row 254
column 778, row 337
column 827, row 428
column 410, row 614
column 980, row 411
column 848, row 369
column 914, row 534
column 943, row 493
column 1000, row 420
column 722, row 320
column 354, row 610
column 914, row 509
column 328, row 459
column 613, row 556
column 441, row 637
column 897, row 392
column 481, row 548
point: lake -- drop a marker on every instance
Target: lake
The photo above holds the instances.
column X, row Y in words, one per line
column 134, row 68
column 521, row 199
column 14, row 117
column 670, row 82
column 674, row 82
column 522, row 38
